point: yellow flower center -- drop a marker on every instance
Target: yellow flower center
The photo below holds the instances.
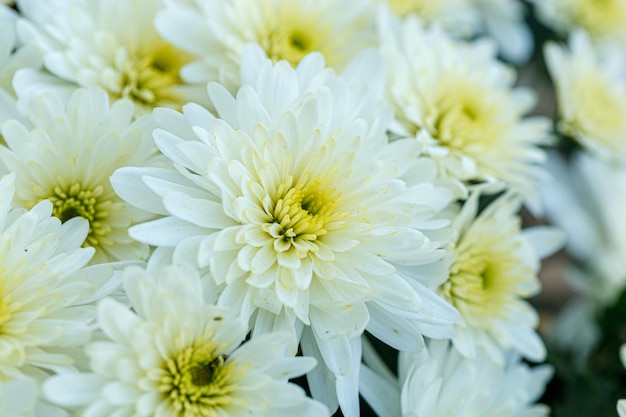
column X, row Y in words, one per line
column 301, row 214
column 483, row 277
column 290, row 45
column 599, row 110
column 291, row 34
column 599, row 17
column 463, row 117
column 427, row 9
column 92, row 203
column 199, row 382
column 149, row 80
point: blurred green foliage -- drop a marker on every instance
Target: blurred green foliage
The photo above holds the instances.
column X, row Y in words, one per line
column 593, row 388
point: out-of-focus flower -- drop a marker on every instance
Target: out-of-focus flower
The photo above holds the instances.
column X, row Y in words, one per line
column 591, row 94
column 494, row 268
column 604, row 20
column 456, row 16
column 45, row 288
column 13, row 55
column 504, row 21
column 586, row 199
column 218, row 30
column 110, row 44
column 66, row 154
column 20, row 398
column 175, row 355
column 441, row 382
column 301, row 209
column 458, row 100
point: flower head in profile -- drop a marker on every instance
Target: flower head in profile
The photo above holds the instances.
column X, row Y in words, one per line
column 45, row 288
column 217, row 32
column 494, row 269
column 591, row 94
column 66, row 153
column 589, row 211
column 439, row 381
column 115, row 47
column 174, row 355
column 300, row 209
column 586, row 198
column 459, row 101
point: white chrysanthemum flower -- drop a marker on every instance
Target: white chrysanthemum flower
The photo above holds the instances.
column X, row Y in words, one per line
column 587, row 200
column 296, row 202
column 494, row 268
column 501, row 19
column 591, row 94
column 456, row 16
column 458, row 100
column 110, row 44
column 66, row 155
column 176, row 356
column 13, row 55
column 604, row 20
column 45, row 289
column 218, row 30
column 440, row 382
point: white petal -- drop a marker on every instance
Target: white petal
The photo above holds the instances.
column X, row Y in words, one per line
column 380, row 394
column 117, row 321
column 201, row 212
column 74, row 390
column 168, row 231
column 545, row 240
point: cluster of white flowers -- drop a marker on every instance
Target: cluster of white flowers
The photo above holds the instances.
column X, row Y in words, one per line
column 586, row 196
column 201, row 200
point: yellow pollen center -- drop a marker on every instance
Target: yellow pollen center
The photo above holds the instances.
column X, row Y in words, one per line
column 291, row 31
column 94, row 204
column 462, row 117
column 149, row 81
column 599, row 17
column 199, row 382
column 483, row 278
column 301, row 215
column 599, row 110
column 427, row 9
column 290, row 44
